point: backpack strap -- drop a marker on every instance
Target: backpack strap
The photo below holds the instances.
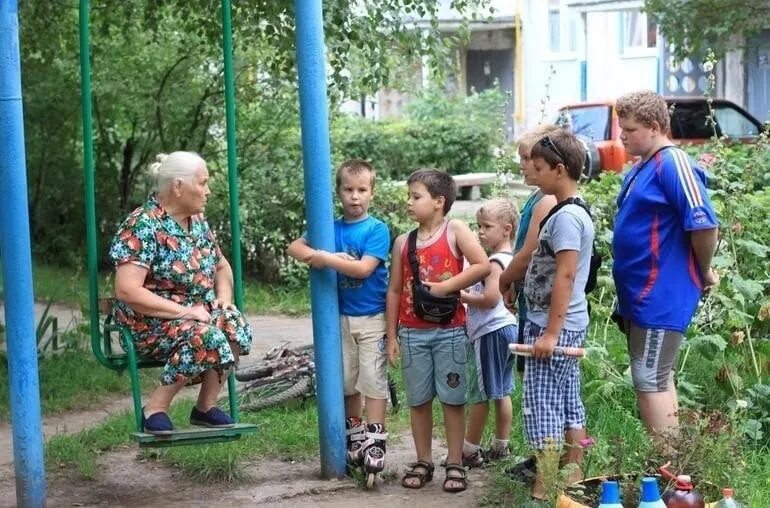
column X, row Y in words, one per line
column 569, row 201
column 411, row 255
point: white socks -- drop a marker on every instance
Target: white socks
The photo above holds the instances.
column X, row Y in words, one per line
column 469, row 448
column 499, row 445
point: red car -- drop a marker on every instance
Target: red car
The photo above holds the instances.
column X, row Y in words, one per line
column 596, row 123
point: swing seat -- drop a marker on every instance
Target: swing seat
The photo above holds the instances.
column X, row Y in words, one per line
column 103, row 348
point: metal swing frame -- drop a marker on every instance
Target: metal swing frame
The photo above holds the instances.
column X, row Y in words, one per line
column 102, row 333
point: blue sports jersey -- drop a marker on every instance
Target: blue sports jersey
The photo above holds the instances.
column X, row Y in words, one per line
column 657, row 276
column 367, row 237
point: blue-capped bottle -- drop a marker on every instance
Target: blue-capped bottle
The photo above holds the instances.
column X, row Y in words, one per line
column 610, row 495
column 651, row 494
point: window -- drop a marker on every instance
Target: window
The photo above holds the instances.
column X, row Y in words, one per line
column 733, row 123
column 593, row 122
column 639, row 32
column 562, row 28
column 689, row 120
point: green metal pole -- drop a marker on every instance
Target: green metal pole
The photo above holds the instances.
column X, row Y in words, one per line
column 232, row 169
column 88, row 176
column 232, row 178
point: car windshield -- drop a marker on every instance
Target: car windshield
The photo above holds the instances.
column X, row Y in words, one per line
column 592, row 122
column 690, row 120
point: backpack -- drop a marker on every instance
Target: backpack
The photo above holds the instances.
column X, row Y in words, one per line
column 596, row 258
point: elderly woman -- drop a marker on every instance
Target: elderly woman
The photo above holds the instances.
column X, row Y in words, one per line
column 174, row 292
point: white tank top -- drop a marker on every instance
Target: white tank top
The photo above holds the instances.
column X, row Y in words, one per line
column 483, row 321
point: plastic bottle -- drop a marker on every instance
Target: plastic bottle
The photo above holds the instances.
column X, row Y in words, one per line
column 683, row 495
column 651, row 494
column 727, row 500
column 610, row 495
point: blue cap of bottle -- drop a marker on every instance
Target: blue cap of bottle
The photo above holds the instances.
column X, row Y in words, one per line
column 610, row 492
column 650, row 492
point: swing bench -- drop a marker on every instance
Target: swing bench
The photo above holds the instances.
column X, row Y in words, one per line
column 103, row 346
column 112, row 344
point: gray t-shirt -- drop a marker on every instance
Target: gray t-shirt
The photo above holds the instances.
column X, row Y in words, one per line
column 570, row 228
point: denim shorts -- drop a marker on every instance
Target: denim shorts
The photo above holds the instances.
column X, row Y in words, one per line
column 434, row 361
column 490, row 365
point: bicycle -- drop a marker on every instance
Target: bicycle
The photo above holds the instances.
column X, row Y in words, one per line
column 282, row 375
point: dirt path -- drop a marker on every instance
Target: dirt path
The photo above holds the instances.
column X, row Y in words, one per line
column 125, row 479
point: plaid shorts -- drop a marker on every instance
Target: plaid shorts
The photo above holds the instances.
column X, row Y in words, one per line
column 552, row 391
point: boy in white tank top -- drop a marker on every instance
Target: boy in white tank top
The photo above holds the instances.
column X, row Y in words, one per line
column 491, row 328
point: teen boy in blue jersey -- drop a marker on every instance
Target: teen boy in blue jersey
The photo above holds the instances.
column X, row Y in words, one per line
column 664, row 239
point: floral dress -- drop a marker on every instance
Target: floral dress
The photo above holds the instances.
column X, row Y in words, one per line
column 182, row 265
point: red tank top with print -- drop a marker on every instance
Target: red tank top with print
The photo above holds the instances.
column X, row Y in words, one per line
column 437, row 263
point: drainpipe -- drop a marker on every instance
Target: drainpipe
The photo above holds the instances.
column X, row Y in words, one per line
column 17, row 273
column 316, row 158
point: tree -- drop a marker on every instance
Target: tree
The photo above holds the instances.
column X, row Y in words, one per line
column 158, row 86
column 694, row 26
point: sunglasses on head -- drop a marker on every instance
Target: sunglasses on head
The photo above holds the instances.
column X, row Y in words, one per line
column 548, row 143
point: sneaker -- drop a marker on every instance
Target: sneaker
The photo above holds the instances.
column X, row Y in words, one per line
column 157, row 423
column 493, row 454
column 214, row 417
column 524, row 472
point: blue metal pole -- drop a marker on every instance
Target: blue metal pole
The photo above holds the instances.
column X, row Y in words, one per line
column 17, row 272
column 316, row 158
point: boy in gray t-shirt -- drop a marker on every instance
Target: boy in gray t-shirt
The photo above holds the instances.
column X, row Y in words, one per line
column 557, row 313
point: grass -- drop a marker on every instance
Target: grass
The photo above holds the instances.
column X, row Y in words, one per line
column 69, row 286
column 71, row 380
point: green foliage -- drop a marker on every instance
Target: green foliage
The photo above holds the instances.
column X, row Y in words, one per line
column 719, row 25
column 158, row 86
column 456, row 134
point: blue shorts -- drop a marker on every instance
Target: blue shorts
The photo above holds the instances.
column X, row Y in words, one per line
column 552, row 391
column 490, row 365
column 434, row 361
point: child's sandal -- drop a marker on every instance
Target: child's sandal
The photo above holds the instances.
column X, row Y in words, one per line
column 460, row 477
column 421, row 470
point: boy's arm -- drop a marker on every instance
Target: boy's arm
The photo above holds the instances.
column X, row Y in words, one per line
column 470, row 247
column 374, row 251
column 300, row 250
column 393, row 300
column 345, row 264
column 566, row 268
column 517, row 269
column 491, row 295
column 704, row 244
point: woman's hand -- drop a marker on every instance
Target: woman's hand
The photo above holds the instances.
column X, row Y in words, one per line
column 196, row 313
column 221, row 303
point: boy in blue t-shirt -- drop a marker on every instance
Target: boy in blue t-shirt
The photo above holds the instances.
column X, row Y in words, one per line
column 362, row 244
column 664, row 238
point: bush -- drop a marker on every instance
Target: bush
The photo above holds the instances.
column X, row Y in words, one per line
column 456, row 134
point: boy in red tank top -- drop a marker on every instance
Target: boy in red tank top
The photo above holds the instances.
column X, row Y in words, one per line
column 433, row 353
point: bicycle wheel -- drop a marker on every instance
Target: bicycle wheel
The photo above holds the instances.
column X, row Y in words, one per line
column 256, row 371
column 272, row 394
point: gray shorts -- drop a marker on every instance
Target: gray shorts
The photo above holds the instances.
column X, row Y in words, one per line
column 433, row 362
column 653, row 353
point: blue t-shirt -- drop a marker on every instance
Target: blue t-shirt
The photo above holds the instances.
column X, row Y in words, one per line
column 657, row 277
column 366, row 237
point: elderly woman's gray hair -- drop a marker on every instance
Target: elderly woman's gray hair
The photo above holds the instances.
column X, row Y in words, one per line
column 169, row 167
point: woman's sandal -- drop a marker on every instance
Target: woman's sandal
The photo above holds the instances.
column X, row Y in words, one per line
column 461, row 477
column 421, row 470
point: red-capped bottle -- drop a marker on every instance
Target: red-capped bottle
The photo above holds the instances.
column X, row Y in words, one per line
column 683, row 495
